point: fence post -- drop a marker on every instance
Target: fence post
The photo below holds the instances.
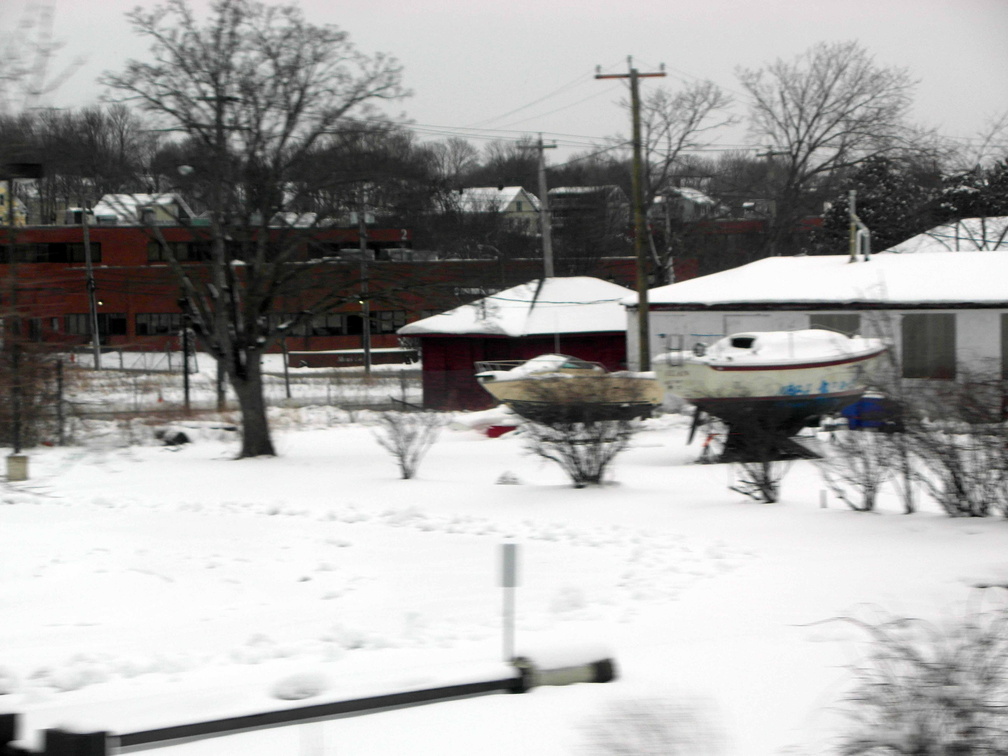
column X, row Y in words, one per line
column 62, row 743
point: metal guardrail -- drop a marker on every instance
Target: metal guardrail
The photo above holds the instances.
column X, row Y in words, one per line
column 58, row 742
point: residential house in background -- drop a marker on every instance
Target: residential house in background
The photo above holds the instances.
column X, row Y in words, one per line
column 150, row 209
column 20, row 213
column 685, row 205
column 518, row 207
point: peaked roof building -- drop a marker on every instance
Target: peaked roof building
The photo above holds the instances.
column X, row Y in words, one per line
column 578, row 316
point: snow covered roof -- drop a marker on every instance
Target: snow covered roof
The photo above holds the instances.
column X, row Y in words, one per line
column 486, row 198
column 693, row 195
column 968, row 234
column 578, row 304
column 890, row 280
column 601, row 189
column 128, row 208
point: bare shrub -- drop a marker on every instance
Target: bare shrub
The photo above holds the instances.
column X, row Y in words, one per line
column 583, row 449
column 962, row 439
column 759, row 445
column 927, row 690
column 408, row 436
column 668, row 727
column 857, row 465
column 28, row 394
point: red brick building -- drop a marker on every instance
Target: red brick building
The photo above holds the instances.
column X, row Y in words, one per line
column 137, row 292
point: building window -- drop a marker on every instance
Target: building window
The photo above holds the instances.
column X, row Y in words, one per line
column 354, row 325
column 109, row 324
column 846, row 323
column 112, row 324
column 157, row 323
column 328, row 325
column 51, row 252
column 198, row 251
column 929, row 346
column 388, row 321
column 75, row 252
column 78, row 324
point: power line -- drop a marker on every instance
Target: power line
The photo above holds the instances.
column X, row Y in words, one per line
column 576, row 81
column 594, row 96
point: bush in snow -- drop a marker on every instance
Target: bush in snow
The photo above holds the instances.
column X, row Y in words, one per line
column 408, row 436
column 857, row 464
column 927, row 690
column 583, row 449
column 28, row 393
column 961, row 437
column 655, row 726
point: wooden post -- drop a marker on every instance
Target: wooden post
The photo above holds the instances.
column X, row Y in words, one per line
column 640, row 225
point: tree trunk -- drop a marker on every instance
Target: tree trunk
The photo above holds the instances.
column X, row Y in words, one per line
column 256, row 441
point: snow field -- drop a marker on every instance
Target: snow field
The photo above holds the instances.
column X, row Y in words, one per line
column 145, row 586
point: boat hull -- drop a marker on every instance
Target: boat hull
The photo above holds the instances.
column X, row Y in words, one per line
column 791, row 394
column 583, row 394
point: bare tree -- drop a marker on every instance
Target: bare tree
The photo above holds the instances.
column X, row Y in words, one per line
column 991, row 143
column 28, row 53
column 257, row 87
column 672, row 124
column 455, row 159
column 829, row 109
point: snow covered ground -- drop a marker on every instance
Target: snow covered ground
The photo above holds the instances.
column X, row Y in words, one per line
column 144, row 586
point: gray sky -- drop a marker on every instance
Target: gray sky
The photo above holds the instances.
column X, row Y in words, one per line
column 482, row 69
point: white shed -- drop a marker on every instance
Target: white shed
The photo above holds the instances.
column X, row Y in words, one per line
column 944, row 312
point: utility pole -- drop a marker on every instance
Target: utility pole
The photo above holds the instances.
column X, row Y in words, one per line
column 640, row 227
column 364, row 301
column 544, row 212
column 770, row 154
column 17, row 463
column 91, row 287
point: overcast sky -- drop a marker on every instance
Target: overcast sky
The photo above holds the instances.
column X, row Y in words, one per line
column 482, row 69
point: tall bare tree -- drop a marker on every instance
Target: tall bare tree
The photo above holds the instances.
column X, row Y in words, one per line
column 257, row 86
column 674, row 123
column 829, row 109
column 454, row 159
column 28, row 52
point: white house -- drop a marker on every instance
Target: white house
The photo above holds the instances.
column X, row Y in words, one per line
column 685, row 204
column 135, row 209
column 943, row 312
column 514, row 203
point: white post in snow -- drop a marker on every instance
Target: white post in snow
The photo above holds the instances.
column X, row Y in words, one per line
column 509, row 581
